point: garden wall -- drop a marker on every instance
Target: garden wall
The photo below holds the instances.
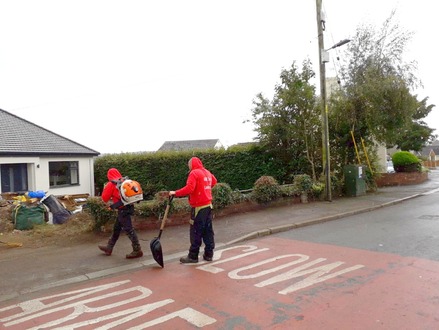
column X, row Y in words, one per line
column 142, row 223
column 401, row 179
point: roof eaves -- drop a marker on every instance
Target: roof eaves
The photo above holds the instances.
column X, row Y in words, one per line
column 48, row 154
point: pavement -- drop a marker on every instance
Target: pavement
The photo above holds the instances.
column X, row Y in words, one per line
column 26, row 272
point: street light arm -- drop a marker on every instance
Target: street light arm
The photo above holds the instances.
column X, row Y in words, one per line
column 340, row 43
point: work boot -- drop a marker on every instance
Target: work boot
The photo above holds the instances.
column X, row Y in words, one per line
column 136, row 253
column 207, row 258
column 107, row 249
column 188, row 260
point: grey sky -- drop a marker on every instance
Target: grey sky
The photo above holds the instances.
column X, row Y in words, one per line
column 171, row 69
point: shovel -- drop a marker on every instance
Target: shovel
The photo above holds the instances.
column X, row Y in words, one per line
column 156, row 247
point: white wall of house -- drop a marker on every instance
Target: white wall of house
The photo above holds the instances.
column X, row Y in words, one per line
column 382, row 158
column 218, row 145
column 38, row 174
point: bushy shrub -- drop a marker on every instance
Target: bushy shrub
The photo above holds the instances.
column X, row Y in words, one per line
column 266, row 189
column 337, row 184
column 303, row 183
column 222, row 195
column 100, row 212
column 370, row 180
column 155, row 208
column 404, row 161
column 239, row 197
column 288, row 190
column 317, row 189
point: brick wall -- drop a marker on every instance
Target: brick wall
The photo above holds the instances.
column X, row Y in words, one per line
column 401, row 179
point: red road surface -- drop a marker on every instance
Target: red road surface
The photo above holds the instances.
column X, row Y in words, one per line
column 272, row 283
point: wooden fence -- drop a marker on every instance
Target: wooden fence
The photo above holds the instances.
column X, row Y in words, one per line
column 431, row 163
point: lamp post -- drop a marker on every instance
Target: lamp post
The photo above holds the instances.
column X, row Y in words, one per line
column 323, row 58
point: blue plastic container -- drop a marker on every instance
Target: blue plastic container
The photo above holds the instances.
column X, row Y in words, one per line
column 36, row 194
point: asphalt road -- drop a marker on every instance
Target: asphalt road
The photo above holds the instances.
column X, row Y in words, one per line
column 375, row 270
column 407, row 229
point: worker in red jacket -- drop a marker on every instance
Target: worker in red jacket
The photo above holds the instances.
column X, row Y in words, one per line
column 199, row 189
column 124, row 213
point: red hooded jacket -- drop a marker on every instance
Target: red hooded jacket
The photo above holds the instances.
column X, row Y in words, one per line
column 198, row 185
column 110, row 190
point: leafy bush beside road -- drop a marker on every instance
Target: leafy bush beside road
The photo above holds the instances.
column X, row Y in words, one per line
column 404, row 161
column 266, row 189
column 303, row 183
column 222, row 195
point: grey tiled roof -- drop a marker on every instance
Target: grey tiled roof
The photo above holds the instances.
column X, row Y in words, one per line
column 434, row 146
column 426, row 150
column 21, row 137
column 189, row 145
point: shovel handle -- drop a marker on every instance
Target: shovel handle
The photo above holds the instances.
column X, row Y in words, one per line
column 166, row 212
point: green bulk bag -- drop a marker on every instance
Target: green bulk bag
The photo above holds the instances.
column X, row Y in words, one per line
column 25, row 217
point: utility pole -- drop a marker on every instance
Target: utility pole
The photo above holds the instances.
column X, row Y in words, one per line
column 323, row 58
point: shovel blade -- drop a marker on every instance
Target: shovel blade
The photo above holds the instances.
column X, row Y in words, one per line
column 156, row 250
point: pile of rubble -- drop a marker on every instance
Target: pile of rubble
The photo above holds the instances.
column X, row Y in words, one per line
column 22, row 211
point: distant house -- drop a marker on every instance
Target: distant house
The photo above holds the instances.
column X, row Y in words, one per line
column 431, row 152
column 191, row 145
column 33, row 158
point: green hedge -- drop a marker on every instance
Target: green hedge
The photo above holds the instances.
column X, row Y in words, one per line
column 239, row 168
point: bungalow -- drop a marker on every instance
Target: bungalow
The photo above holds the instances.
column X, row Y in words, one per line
column 431, row 153
column 33, row 158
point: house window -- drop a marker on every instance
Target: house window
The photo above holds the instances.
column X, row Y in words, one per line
column 63, row 174
column 13, row 178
